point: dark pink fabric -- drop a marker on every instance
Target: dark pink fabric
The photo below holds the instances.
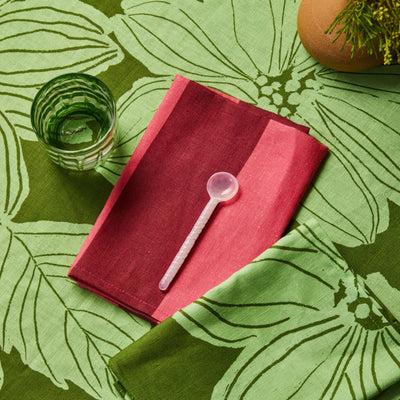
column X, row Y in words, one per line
column 195, row 133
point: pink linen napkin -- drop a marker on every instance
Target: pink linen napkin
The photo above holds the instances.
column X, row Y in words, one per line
column 195, row 132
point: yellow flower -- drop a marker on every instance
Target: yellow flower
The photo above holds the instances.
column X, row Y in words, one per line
column 388, row 54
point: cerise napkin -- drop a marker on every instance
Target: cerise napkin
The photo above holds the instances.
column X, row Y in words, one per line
column 195, row 132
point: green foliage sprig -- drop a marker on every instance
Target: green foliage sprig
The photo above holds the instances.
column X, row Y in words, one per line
column 373, row 26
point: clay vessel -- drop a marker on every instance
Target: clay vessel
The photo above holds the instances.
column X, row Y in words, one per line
column 313, row 19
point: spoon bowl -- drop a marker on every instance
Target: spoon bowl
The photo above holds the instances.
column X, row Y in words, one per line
column 222, row 186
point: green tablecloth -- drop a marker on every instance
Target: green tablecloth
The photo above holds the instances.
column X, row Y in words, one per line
column 55, row 338
column 293, row 324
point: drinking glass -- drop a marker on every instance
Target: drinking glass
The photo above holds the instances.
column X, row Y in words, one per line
column 74, row 117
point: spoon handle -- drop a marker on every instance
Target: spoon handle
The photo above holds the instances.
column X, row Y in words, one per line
column 187, row 245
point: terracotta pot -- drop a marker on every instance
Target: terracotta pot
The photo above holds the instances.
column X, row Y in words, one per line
column 313, row 19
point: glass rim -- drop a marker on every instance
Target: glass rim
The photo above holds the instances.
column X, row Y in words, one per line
column 63, row 77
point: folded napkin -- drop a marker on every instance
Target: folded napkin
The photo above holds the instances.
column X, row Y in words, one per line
column 162, row 191
column 294, row 324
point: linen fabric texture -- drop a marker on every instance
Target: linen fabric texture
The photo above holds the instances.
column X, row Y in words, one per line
column 195, row 132
column 296, row 323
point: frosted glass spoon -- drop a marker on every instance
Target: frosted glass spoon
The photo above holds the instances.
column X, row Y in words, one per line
column 221, row 186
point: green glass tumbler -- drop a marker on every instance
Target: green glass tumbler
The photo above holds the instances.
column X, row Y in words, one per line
column 74, row 117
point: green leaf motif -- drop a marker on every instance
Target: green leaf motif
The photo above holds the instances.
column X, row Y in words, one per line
column 1, row 376
column 16, row 108
column 13, row 173
column 380, row 256
column 89, row 190
column 147, row 23
column 377, row 263
column 42, row 40
column 361, row 132
column 39, row 386
column 187, row 49
column 42, row 310
column 297, row 308
column 44, row 315
column 259, row 58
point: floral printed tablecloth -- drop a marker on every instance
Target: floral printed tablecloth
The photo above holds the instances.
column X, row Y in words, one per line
column 56, row 339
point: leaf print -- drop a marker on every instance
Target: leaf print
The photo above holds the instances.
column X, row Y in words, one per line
column 41, row 306
column 147, row 22
column 40, row 387
column 278, row 46
column 376, row 262
column 274, row 71
column 196, row 54
column 12, row 171
column 363, row 160
column 135, row 110
column 370, row 82
column 334, row 324
column 41, row 40
column 16, row 107
column 1, row 375
column 80, row 197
